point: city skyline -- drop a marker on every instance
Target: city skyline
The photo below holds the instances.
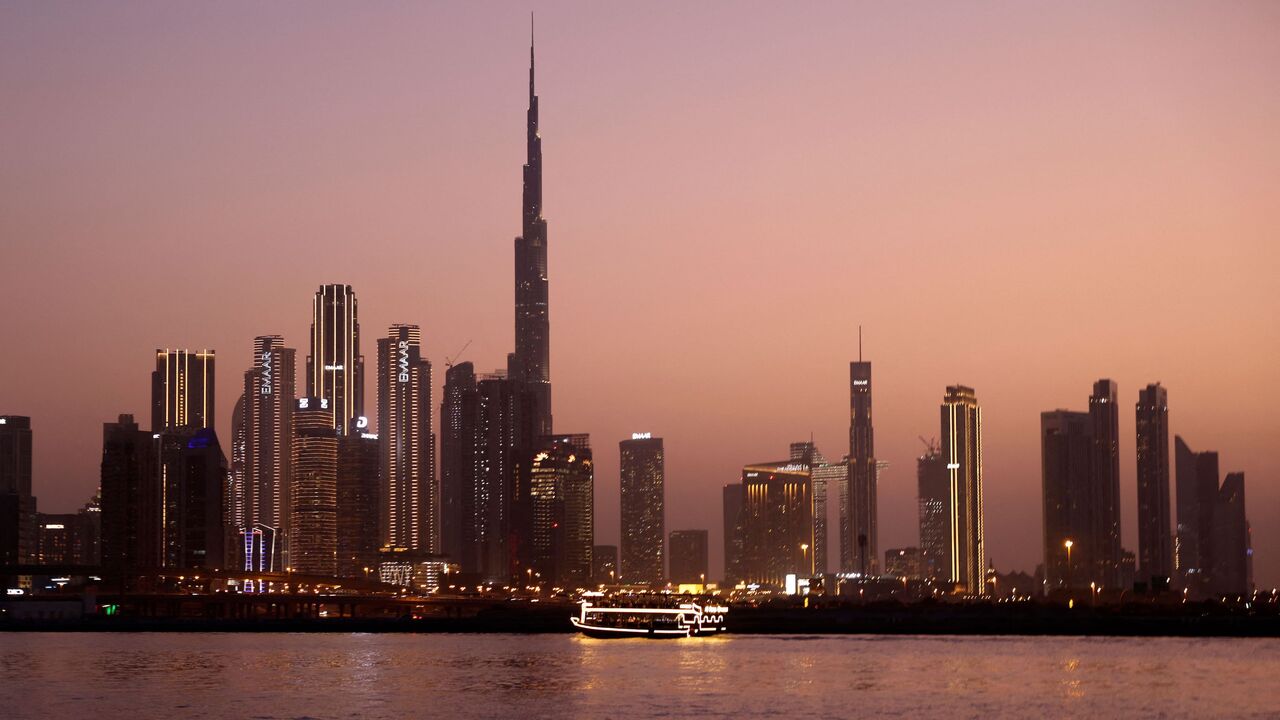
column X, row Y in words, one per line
column 1211, row 384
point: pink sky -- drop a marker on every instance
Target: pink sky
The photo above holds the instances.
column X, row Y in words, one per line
column 1015, row 197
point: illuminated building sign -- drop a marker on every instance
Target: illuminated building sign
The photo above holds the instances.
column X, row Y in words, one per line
column 54, row 526
column 266, row 373
column 305, row 403
column 369, row 436
column 641, row 436
column 333, row 368
column 404, row 361
column 860, row 382
column 793, row 467
column 362, row 422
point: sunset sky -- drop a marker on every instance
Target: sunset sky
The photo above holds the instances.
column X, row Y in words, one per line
column 1018, row 197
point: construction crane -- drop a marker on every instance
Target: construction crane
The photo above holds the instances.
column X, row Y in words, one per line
column 931, row 444
column 448, row 361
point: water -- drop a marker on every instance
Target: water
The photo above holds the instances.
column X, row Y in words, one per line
column 145, row 675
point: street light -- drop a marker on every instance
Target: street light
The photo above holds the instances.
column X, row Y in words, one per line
column 1068, row 545
column 804, row 548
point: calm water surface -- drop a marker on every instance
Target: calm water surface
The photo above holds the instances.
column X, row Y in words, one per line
column 392, row 676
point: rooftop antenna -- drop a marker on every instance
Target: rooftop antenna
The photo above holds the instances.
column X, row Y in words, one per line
column 859, row 343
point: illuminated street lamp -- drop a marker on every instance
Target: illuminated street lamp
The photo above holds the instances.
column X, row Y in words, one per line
column 804, row 548
column 1068, row 545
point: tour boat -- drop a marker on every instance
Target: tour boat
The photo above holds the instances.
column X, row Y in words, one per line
column 686, row 619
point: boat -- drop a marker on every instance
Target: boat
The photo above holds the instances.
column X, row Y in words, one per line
column 636, row 619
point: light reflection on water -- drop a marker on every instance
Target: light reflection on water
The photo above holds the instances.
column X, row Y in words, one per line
column 566, row 676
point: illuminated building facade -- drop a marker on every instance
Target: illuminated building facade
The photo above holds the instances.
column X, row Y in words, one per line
column 335, row 367
column 962, row 451
column 908, row 562
column 457, row 482
column 313, row 545
column 408, row 513
column 562, row 491
column 604, row 563
column 182, row 390
column 826, row 478
column 1104, row 468
column 643, row 507
column 862, row 508
column 270, row 389
column 933, row 493
column 777, row 522
column 1155, row 541
column 689, row 559
column 237, row 495
column 359, row 538
column 18, row 533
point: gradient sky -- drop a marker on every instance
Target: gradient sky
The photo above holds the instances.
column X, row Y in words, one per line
column 1014, row 196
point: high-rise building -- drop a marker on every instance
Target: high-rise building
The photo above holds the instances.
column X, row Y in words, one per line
column 962, row 450
column 408, row 445
column 863, row 526
column 777, row 522
column 335, row 367
column 1197, row 480
column 908, row 562
column 1070, row 537
column 733, row 499
column 1155, row 543
column 18, row 533
column 194, row 478
column 688, row 556
column 270, row 387
column 933, row 492
column 359, row 492
column 562, row 494
column 237, row 495
column 313, row 545
column 825, row 476
column 643, row 508
column 457, row 476
column 1104, row 416
column 1232, row 552
column 132, row 530
column 530, row 364
column 604, row 564
column 182, row 390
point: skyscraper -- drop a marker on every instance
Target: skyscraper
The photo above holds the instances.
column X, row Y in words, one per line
column 195, row 533
column 270, row 387
column 1232, row 553
column 1197, row 481
column 335, row 367
column 1066, row 442
column 562, row 497
column 732, row 499
column 862, row 470
column 182, row 390
column 408, row 444
column 1104, row 418
column 530, row 364
column 962, row 450
column 688, row 556
column 457, row 476
column 933, row 492
column 825, row 477
column 1155, row 543
column 488, row 432
column 237, row 495
column 132, row 530
column 18, row 532
column 604, row 564
column 777, row 522
column 313, row 545
column 643, row 508
column 359, row 536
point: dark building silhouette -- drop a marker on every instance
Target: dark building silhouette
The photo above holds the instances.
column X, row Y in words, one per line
column 732, row 499
column 335, row 367
column 688, row 556
column 643, row 485
column 604, row 563
column 863, row 528
column 132, row 533
column 182, row 390
column 313, row 546
column 1232, row 550
column 1197, row 481
column 908, row 562
column 962, row 451
column 358, row 531
column 408, row 513
column 18, row 533
column 1070, row 537
column 530, row 364
column 1155, row 542
column 195, row 478
column 777, row 522
column 457, row 477
column 563, row 499
column 1104, row 416
column 933, row 492
column 270, row 389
